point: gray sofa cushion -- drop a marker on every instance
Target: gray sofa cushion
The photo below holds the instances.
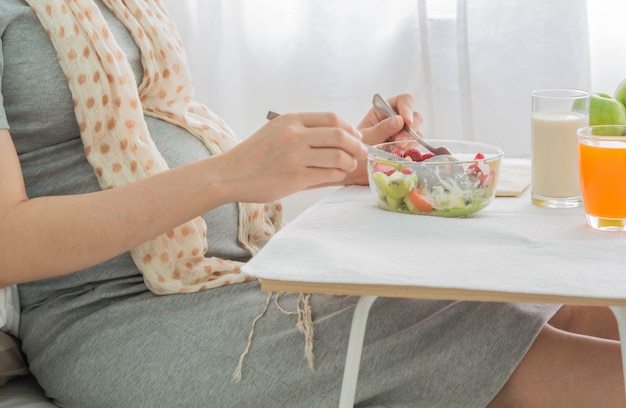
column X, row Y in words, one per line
column 11, row 360
column 23, row 392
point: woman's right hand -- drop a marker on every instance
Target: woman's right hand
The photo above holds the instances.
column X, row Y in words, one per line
column 50, row 236
column 292, row 152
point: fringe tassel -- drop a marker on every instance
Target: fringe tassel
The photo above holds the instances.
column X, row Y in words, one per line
column 304, row 325
column 239, row 369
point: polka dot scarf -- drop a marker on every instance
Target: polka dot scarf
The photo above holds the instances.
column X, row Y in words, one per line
column 110, row 110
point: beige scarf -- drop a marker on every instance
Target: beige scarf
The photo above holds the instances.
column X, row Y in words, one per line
column 110, row 112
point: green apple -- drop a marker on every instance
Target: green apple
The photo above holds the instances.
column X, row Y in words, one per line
column 620, row 93
column 606, row 110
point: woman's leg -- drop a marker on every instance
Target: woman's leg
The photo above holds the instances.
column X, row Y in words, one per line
column 564, row 369
column 597, row 321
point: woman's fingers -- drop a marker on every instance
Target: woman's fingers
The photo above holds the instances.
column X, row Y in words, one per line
column 300, row 132
column 323, row 120
column 337, row 143
column 323, row 158
column 404, row 104
column 383, row 130
column 292, row 152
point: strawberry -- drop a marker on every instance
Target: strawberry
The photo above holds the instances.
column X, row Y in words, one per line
column 487, row 179
column 473, row 170
column 384, row 168
column 427, row 156
column 414, row 154
column 479, row 169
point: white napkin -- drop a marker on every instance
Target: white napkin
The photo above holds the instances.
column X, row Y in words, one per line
column 514, row 177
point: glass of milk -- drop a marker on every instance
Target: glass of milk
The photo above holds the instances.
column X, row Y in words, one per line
column 557, row 114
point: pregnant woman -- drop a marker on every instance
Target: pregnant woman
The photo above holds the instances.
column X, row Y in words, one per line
column 127, row 209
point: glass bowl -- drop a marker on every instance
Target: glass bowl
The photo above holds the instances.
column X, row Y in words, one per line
column 446, row 186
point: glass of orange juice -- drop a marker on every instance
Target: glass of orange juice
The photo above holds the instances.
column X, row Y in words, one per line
column 602, row 167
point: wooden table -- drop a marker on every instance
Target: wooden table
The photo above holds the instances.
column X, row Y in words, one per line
column 512, row 251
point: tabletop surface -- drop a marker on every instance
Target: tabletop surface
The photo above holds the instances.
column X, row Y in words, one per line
column 511, row 247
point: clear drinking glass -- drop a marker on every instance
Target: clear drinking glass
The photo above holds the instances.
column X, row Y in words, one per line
column 602, row 157
column 556, row 116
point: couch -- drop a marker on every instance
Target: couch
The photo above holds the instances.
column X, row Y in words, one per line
column 23, row 392
column 18, row 388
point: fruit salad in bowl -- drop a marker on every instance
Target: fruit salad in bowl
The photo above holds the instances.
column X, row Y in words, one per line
column 418, row 182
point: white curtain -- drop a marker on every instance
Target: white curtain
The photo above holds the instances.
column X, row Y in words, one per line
column 470, row 64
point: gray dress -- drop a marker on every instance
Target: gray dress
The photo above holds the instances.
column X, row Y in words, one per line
column 99, row 338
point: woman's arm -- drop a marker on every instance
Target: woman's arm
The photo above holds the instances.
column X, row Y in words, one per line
column 50, row 236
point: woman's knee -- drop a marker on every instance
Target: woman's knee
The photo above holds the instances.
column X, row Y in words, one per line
column 566, row 369
column 596, row 321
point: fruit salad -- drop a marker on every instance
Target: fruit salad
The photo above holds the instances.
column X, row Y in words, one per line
column 420, row 183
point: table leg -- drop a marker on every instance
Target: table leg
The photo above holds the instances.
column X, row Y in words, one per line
column 355, row 347
column 620, row 316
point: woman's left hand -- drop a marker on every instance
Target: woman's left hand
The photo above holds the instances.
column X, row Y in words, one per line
column 377, row 128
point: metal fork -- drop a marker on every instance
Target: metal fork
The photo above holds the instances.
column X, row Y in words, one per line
column 382, row 106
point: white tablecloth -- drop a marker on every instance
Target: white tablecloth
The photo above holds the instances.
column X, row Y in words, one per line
column 511, row 245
